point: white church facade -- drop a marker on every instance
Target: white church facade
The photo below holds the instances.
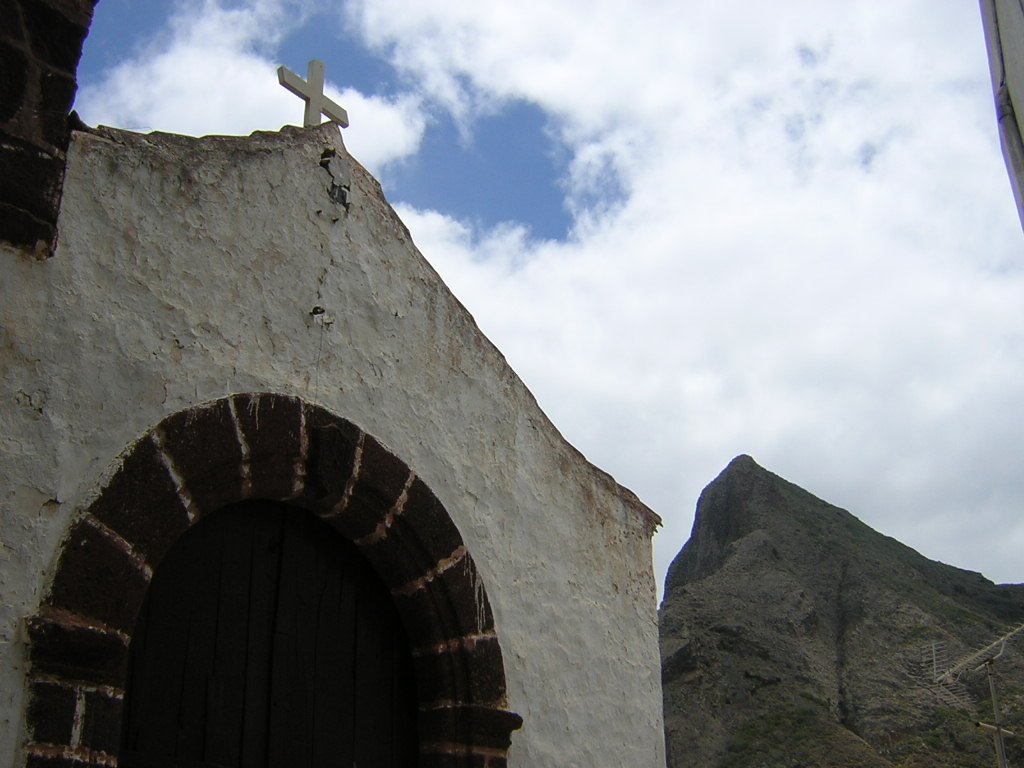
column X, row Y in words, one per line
column 270, row 495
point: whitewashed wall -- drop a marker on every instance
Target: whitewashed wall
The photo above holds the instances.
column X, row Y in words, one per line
column 186, row 270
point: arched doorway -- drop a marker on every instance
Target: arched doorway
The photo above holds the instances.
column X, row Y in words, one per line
column 263, row 446
column 266, row 639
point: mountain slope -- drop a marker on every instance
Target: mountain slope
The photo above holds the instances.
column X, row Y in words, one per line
column 794, row 635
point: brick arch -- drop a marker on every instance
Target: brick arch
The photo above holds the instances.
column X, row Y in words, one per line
column 40, row 45
column 268, row 446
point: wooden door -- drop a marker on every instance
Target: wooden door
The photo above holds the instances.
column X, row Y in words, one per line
column 267, row 640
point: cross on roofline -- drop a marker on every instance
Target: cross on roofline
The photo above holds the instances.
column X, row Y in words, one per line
column 311, row 90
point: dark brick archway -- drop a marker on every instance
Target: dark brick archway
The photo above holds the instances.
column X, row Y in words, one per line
column 40, row 45
column 263, row 446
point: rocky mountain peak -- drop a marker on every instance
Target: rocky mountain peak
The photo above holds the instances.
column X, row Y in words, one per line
column 790, row 629
column 745, row 500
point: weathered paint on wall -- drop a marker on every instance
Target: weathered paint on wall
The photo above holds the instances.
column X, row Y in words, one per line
column 189, row 269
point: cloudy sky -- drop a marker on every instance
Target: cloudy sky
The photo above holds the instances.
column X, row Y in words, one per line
column 696, row 228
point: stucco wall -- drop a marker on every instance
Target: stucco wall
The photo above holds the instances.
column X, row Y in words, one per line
column 187, row 270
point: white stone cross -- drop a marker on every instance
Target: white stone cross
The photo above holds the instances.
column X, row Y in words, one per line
column 311, row 90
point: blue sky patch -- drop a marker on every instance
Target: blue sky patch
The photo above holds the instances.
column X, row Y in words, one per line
column 508, row 170
column 502, row 167
column 119, row 27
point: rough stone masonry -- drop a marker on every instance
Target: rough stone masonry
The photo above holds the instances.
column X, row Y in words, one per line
column 40, row 44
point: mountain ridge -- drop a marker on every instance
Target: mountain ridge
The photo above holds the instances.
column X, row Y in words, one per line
column 783, row 611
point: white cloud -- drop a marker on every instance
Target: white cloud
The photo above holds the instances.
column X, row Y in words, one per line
column 213, row 72
column 386, row 129
column 793, row 235
column 816, row 260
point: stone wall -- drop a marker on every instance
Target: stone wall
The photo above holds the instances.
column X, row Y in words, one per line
column 40, row 44
column 192, row 272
